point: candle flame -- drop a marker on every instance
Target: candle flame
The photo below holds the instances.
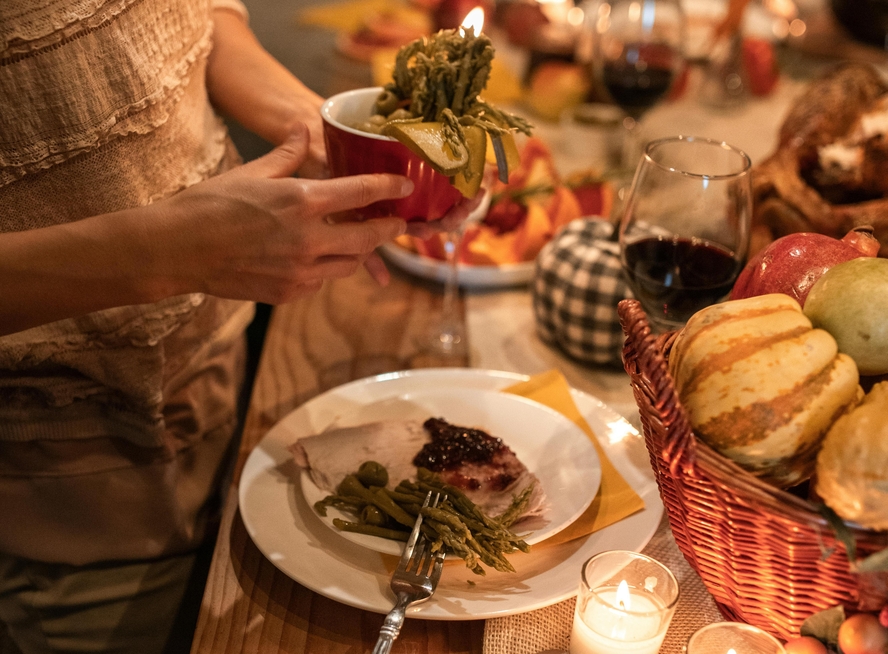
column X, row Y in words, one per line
column 732, row 651
column 474, row 21
column 624, row 599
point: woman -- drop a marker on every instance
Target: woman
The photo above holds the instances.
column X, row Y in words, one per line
column 131, row 245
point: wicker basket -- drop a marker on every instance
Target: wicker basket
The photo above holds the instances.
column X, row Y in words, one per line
column 767, row 557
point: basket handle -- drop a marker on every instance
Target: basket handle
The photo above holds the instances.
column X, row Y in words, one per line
column 662, row 415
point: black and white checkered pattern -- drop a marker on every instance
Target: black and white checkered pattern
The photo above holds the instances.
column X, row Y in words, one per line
column 577, row 285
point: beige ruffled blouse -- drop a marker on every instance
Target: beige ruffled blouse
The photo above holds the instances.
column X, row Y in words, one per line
column 113, row 425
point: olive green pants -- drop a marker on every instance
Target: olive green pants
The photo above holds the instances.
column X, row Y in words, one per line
column 144, row 607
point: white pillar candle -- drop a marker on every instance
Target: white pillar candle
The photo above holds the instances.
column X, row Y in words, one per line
column 733, row 638
column 618, row 620
column 625, row 604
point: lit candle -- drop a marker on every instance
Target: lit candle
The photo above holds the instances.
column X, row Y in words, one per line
column 473, row 21
column 629, row 617
column 733, row 638
column 452, row 14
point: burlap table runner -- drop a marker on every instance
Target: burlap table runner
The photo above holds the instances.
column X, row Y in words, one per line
column 549, row 627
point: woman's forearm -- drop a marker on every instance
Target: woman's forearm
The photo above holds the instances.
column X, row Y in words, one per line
column 249, row 85
column 72, row 269
column 255, row 233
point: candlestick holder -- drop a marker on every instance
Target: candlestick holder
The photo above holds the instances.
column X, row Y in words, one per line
column 736, row 637
column 625, row 604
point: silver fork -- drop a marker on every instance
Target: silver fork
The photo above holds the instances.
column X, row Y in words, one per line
column 414, row 579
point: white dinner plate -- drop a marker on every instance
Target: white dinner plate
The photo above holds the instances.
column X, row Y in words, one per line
column 552, row 447
column 475, row 277
column 285, row 529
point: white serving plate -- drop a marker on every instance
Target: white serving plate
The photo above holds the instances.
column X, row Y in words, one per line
column 286, row 530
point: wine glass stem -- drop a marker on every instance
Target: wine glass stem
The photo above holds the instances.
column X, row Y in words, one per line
column 630, row 152
column 632, row 143
column 451, row 281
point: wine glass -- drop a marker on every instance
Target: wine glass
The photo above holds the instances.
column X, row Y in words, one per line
column 637, row 55
column 685, row 229
column 446, row 335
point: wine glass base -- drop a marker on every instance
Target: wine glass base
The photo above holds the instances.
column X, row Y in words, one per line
column 445, row 341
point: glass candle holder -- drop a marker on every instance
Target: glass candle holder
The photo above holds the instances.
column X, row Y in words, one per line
column 733, row 638
column 625, row 604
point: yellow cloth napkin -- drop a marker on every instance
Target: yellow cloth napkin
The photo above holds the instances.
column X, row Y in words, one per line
column 615, row 499
column 347, row 16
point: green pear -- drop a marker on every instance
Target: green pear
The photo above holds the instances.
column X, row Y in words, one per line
column 850, row 301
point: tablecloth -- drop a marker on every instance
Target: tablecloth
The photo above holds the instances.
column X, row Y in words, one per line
column 549, row 627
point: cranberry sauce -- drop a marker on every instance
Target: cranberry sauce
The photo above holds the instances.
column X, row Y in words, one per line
column 452, row 446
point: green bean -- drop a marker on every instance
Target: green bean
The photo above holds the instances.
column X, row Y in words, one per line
column 339, row 502
column 385, row 503
column 455, row 524
column 351, row 487
column 371, row 530
column 517, row 507
column 405, row 498
column 449, row 519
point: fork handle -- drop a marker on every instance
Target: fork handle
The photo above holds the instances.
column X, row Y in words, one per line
column 391, row 626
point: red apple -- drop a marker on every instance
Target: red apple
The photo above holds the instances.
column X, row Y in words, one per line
column 793, row 263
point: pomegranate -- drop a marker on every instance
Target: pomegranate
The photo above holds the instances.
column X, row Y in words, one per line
column 793, row 263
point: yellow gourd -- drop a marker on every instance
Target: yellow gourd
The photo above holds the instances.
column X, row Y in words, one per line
column 852, row 467
column 761, row 386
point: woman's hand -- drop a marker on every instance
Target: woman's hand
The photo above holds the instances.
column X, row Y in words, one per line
column 454, row 218
column 257, row 233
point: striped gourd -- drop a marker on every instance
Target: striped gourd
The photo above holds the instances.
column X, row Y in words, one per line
column 761, row 386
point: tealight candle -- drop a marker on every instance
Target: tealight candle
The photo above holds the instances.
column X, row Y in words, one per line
column 733, row 638
column 625, row 604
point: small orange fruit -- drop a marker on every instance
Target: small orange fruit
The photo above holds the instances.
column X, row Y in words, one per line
column 863, row 634
column 805, row 645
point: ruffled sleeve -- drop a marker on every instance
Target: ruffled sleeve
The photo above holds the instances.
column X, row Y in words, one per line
column 234, row 5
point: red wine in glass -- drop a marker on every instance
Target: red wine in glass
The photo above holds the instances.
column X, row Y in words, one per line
column 640, row 77
column 673, row 278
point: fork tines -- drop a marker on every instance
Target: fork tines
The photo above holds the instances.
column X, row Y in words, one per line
column 414, row 540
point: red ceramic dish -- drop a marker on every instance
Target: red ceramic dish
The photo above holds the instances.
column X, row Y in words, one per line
column 353, row 152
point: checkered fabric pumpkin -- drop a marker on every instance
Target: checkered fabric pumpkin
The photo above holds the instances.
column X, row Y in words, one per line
column 577, row 285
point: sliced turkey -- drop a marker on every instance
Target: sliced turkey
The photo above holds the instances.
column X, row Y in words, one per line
column 482, row 466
